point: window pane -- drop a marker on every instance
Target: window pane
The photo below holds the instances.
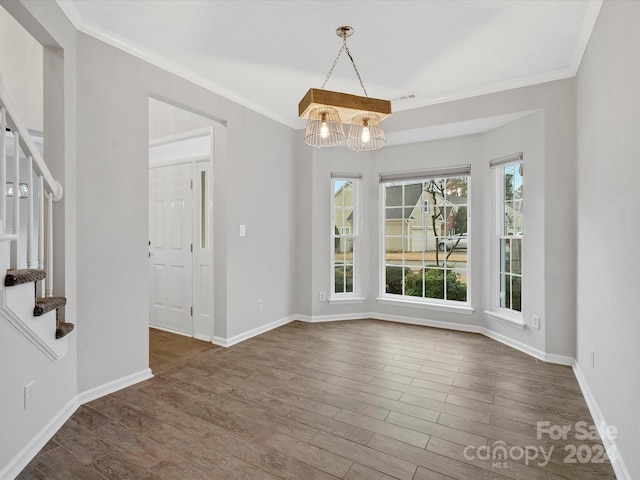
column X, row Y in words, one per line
column 505, row 262
column 343, row 234
column 517, row 217
column 425, row 227
column 505, row 291
column 394, row 280
column 457, row 285
column 339, row 279
column 516, row 293
column 509, row 172
column 434, row 283
column 413, row 282
column 517, row 182
column 394, row 195
column 516, row 255
column 393, row 250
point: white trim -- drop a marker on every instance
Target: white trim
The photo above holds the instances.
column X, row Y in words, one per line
column 497, row 87
column 40, row 439
column 114, row 386
column 169, row 162
column 512, row 322
column 346, row 300
column 586, row 29
column 95, row 31
column 529, row 350
column 462, row 327
column 332, row 318
column 178, row 137
column 617, row 462
column 204, row 338
column 228, row 342
column 405, row 302
column 170, row 330
column 31, row 449
column 54, row 349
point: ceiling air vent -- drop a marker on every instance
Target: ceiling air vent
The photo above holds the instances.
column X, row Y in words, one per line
column 406, row 96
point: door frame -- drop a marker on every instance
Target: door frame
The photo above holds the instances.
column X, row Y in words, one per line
column 193, row 150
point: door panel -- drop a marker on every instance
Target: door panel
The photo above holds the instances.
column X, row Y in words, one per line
column 170, row 261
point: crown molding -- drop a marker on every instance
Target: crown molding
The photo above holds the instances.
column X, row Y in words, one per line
column 99, row 33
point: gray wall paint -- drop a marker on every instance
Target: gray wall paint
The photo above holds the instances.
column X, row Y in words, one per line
column 166, row 120
column 608, row 106
column 252, row 182
column 546, row 138
column 21, row 70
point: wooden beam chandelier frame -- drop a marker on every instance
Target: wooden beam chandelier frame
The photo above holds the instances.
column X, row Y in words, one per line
column 327, row 110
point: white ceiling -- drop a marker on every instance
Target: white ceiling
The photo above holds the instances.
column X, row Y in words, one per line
column 267, row 54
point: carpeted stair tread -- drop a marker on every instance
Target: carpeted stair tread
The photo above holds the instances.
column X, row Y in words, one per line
column 63, row 329
column 44, row 305
column 18, row 277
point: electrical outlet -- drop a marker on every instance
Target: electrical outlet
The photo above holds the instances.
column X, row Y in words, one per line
column 593, row 358
column 323, row 296
column 243, row 230
column 260, row 304
column 535, row 322
column 28, row 395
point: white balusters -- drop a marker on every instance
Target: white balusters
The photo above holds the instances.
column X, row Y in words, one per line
column 39, row 249
column 49, row 291
column 16, row 183
column 41, row 233
column 41, row 223
column 15, row 244
column 30, row 191
column 3, row 169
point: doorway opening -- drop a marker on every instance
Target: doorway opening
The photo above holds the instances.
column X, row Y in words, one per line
column 181, row 158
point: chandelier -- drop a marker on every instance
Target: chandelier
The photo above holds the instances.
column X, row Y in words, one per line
column 327, row 110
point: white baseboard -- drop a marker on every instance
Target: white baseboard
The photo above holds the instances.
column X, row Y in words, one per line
column 169, row 330
column 462, row 327
column 22, row 459
column 204, row 338
column 228, row 342
column 27, row 454
column 617, row 462
column 113, row 386
column 330, row 318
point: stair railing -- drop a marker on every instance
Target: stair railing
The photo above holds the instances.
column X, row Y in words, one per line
column 49, row 188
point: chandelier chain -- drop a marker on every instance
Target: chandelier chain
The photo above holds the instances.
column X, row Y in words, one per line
column 344, row 48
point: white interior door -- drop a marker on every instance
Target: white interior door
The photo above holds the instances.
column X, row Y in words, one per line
column 170, row 248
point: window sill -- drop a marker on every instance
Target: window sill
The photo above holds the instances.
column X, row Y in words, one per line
column 507, row 320
column 344, row 301
column 427, row 305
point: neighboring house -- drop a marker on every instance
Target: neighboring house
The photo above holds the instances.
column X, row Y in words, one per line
column 425, row 215
column 343, row 217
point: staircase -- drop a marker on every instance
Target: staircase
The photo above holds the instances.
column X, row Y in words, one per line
column 26, row 297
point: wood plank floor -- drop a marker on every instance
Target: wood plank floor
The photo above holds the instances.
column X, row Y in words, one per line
column 357, row 400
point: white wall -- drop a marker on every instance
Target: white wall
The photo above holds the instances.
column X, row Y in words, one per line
column 608, row 116
column 21, row 70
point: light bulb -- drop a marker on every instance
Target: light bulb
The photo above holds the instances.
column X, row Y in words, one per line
column 366, row 136
column 324, row 128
